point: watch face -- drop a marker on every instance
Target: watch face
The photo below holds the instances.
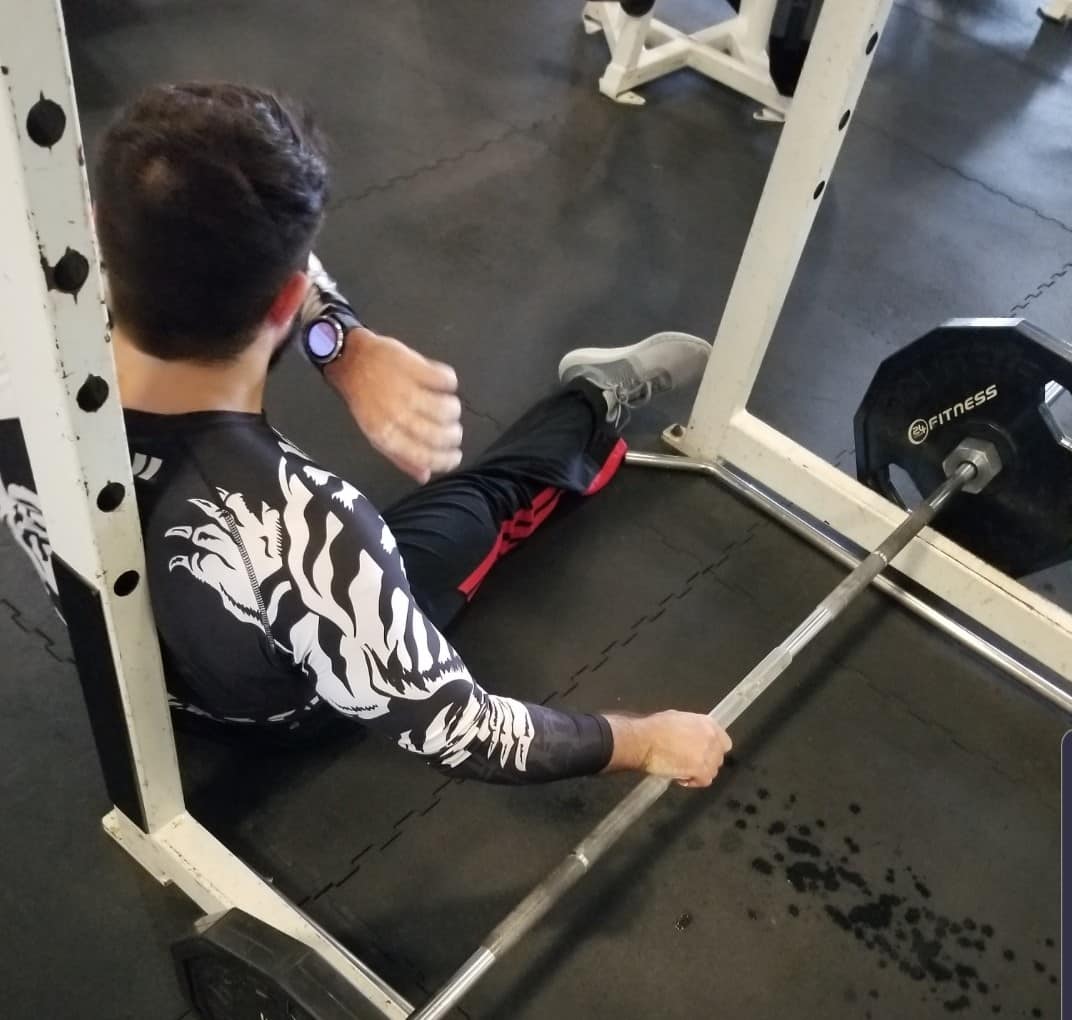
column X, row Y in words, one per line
column 321, row 339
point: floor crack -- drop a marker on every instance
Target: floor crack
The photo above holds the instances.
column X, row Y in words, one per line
column 907, row 706
column 648, row 526
column 511, row 131
column 481, row 414
column 997, row 192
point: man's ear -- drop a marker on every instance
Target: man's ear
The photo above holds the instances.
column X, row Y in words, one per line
column 289, row 300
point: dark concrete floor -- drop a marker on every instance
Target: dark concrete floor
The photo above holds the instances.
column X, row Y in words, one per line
column 491, row 208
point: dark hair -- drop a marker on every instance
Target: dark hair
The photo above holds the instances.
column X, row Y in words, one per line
column 208, row 196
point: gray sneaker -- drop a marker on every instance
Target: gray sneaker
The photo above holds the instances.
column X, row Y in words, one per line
column 630, row 376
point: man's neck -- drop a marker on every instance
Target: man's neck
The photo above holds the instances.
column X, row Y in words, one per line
column 179, row 387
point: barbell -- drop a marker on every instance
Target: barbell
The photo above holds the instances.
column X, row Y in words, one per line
column 973, row 413
column 967, row 409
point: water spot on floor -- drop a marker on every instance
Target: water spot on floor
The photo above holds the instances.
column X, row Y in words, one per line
column 897, row 926
column 802, row 846
column 876, row 914
column 806, row 876
column 853, row 878
column 762, row 793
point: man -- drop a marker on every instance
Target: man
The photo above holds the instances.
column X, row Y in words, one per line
column 282, row 599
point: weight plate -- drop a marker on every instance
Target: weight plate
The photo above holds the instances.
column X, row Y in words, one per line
column 792, row 27
column 236, row 967
column 1000, row 380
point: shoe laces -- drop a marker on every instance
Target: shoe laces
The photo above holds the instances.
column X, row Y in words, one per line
column 625, row 398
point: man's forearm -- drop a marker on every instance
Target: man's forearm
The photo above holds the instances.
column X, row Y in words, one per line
column 406, row 405
column 632, row 743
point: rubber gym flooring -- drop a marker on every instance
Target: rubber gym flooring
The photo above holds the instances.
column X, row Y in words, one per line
column 885, row 843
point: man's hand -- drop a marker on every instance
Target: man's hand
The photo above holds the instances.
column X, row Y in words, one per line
column 682, row 746
column 406, row 405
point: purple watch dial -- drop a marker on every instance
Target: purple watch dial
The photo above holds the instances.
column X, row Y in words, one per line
column 321, row 339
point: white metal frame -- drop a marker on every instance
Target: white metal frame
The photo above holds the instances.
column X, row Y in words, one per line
column 1057, row 10
column 53, row 343
column 732, row 52
column 721, row 427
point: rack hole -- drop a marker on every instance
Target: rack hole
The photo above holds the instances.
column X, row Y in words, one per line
column 110, row 497
column 71, row 272
column 92, row 393
column 46, row 122
column 126, row 582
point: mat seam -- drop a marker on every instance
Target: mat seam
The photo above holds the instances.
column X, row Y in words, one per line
column 407, row 819
column 890, row 695
column 44, row 639
column 511, row 131
column 964, row 175
column 1041, row 288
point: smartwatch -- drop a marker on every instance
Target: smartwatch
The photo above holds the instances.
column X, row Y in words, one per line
column 324, row 336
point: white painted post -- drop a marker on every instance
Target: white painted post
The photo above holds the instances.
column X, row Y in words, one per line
column 59, row 354
column 837, row 65
column 1057, row 10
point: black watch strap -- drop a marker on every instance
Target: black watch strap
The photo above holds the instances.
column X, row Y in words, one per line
column 326, row 317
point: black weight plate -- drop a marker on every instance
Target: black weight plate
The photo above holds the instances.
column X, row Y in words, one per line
column 981, row 378
column 238, row 968
column 790, row 37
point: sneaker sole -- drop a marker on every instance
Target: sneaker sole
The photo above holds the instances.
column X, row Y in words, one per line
column 603, row 355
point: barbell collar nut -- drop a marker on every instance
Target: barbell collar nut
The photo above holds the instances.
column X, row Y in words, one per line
column 982, row 455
